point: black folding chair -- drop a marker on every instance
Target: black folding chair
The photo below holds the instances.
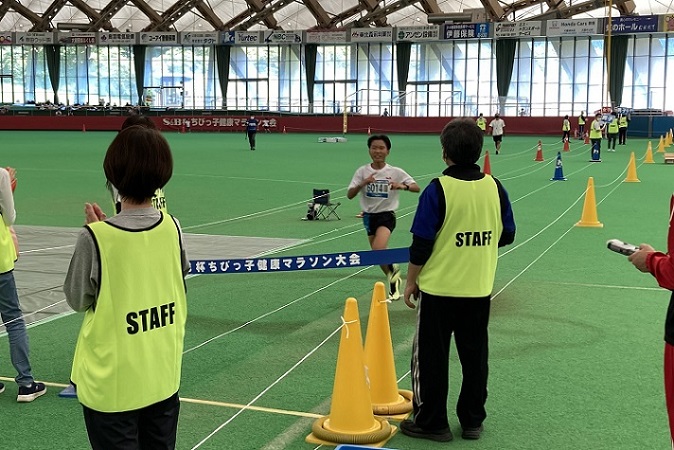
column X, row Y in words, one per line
column 326, row 208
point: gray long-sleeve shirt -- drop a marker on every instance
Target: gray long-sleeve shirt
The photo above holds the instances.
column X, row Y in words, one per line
column 83, row 277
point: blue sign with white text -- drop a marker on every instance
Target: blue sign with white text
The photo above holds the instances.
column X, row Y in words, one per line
column 307, row 262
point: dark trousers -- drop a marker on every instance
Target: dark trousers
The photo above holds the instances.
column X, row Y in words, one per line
column 153, row 427
column 565, row 135
column 581, row 130
column 622, row 135
column 611, row 140
column 596, row 148
column 251, row 138
column 438, row 318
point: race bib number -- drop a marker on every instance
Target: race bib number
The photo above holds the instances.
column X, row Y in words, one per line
column 378, row 189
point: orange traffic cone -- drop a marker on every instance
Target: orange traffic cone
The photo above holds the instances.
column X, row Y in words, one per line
column 661, row 145
column 369, row 131
column 566, row 145
column 649, row 154
column 632, row 170
column 589, row 217
column 486, row 167
column 587, row 138
column 386, row 398
column 84, row 128
column 284, row 130
column 539, row 152
column 351, row 420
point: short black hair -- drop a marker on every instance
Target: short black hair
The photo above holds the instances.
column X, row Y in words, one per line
column 462, row 141
column 138, row 162
column 379, row 137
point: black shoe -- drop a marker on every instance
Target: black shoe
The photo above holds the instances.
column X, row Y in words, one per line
column 472, row 432
column 29, row 393
column 2, row 388
column 409, row 428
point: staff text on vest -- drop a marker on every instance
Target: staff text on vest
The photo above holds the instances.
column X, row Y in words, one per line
column 149, row 319
column 473, row 238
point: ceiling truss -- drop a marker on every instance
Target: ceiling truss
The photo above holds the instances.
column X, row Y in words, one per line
column 261, row 12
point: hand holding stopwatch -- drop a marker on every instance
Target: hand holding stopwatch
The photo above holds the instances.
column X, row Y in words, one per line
column 621, row 247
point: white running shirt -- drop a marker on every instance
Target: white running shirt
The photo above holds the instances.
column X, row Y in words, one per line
column 497, row 126
column 378, row 196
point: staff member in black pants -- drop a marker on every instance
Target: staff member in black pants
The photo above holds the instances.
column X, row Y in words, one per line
column 462, row 218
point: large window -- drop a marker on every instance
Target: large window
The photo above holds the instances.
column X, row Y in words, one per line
column 551, row 77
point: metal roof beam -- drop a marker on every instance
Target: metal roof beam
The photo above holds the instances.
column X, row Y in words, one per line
column 209, row 15
column 493, row 9
column 42, row 23
column 316, row 10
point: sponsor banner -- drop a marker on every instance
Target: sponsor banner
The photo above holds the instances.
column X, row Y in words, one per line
column 466, row 30
column 199, row 38
column 325, row 37
column 248, row 38
column 77, row 37
column 116, row 38
column 158, row 38
column 307, row 262
column 418, row 34
column 282, row 37
column 371, row 34
column 518, row 29
column 215, row 123
column 634, row 24
column 6, row 38
column 571, row 27
column 228, row 37
column 34, row 37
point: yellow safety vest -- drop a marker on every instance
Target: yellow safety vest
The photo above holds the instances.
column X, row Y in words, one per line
column 566, row 126
column 613, row 127
column 581, row 120
column 463, row 261
column 129, row 350
column 594, row 134
column 7, row 250
column 482, row 123
column 622, row 122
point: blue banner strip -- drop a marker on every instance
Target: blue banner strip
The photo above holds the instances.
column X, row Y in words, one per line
column 294, row 263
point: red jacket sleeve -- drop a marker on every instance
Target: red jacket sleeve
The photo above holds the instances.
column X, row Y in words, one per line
column 661, row 265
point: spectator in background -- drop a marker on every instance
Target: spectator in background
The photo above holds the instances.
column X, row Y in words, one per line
column 612, row 133
column 127, row 369
column 623, row 121
column 10, row 309
column 581, row 125
column 451, row 274
column 597, row 128
column 251, row 130
column 661, row 266
column 497, row 126
column 566, row 128
column 481, row 122
column 385, row 113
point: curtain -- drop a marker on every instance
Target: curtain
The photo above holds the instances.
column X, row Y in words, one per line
column 505, row 61
column 618, row 58
column 53, row 57
column 223, row 55
column 403, row 55
column 310, row 54
column 139, row 65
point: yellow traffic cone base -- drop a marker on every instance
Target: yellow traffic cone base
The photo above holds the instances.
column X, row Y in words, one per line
column 351, row 420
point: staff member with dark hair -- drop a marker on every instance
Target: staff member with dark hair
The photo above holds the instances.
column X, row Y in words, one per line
column 462, row 218
column 127, row 276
